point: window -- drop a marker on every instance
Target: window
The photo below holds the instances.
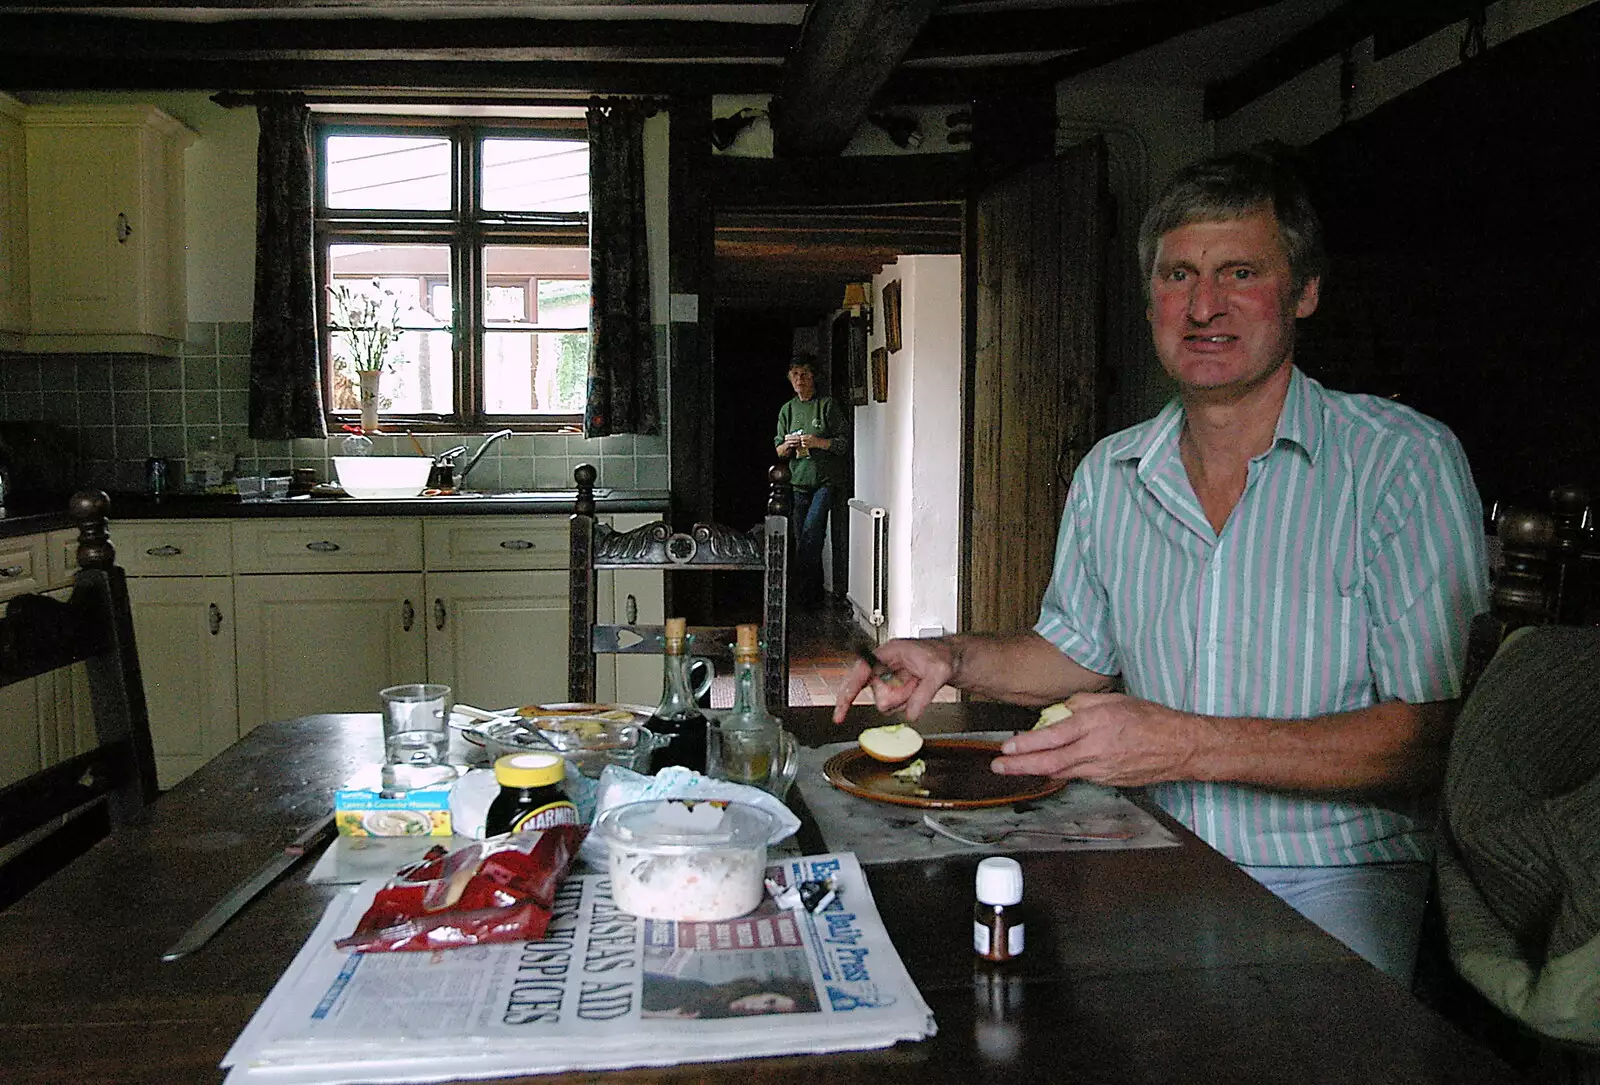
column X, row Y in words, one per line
column 467, row 240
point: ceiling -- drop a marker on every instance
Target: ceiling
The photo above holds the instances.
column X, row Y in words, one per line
column 827, row 66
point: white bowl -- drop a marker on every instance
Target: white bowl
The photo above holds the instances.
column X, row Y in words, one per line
column 382, row 476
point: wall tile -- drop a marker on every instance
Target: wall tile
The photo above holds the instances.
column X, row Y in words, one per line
column 132, row 409
column 201, row 338
column 56, row 376
column 233, row 373
column 200, row 374
column 165, row 373
column 234, row 338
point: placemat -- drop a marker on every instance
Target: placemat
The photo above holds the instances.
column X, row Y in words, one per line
column 883, row 833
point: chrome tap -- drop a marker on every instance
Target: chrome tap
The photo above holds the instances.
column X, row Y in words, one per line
column 461, row 477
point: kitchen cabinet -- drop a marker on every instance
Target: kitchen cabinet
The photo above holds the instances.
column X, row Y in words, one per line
column 105, row 229
column 180, row 585
column 46, row 719
column 326, row 643
column 13, row 225
column 239, row 622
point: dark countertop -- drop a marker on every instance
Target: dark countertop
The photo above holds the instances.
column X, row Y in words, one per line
column 30, row 516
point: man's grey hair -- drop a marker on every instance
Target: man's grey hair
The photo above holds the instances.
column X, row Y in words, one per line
column 1235, row 186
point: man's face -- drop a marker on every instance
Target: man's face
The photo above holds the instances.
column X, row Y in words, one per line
column 803, row 381
column 1222, row 304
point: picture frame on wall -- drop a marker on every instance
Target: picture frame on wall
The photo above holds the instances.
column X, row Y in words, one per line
column 891, row 315
column 849, row 335
column 880, row 374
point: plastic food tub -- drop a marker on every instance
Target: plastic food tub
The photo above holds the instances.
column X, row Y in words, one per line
column 382, row 476
column 696, row 860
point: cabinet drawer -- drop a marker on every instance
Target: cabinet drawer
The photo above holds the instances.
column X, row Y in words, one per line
column 173, row 547
column 472, row 543
column 371, row 544
column 23, row 565
column 61, row 552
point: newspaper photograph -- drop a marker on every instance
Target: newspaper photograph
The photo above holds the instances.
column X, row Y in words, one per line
column 602, row 989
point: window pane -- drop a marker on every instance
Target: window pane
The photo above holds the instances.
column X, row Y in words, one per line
column 535, row 372
column 536, row 285
column 535, row 175
column 401, row 287
column 394, row 173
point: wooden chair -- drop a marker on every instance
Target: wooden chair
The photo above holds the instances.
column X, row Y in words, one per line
column 597, row 548
column 50, row 817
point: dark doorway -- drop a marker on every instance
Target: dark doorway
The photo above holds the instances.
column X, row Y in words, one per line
column 752, row 350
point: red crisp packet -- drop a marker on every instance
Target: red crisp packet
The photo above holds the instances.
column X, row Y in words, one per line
column 496, row 890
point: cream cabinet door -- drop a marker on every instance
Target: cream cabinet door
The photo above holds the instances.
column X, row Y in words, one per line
column 13, row 225
column 499, row 639
column 184, row 629
column 105, row 228
column 310, row 644
column 636, row 596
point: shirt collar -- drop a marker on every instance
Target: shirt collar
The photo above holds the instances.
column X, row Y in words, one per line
column 1299, row 423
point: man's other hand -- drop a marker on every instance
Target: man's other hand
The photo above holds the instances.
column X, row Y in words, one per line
column 1110, row 738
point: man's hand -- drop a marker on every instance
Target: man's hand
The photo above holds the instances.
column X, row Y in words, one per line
column 812, row 440
column 1109, row 739
column 787, row 446
column 921, row 668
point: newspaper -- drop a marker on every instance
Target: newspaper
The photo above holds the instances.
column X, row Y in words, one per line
column 603, row 989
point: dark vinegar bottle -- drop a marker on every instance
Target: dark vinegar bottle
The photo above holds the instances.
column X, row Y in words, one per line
column 677, row 719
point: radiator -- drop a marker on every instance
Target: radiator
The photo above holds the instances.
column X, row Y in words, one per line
column 869, row 560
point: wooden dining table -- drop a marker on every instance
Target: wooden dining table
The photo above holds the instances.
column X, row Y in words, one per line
column 1166, row 965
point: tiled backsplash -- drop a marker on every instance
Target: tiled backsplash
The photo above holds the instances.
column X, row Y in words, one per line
column 125, row 408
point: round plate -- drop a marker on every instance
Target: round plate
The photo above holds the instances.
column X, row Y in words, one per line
column 957, row 777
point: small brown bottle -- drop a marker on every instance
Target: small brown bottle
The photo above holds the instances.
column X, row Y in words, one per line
column 997, row 925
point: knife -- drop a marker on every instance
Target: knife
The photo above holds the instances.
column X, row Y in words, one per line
column 246, row 891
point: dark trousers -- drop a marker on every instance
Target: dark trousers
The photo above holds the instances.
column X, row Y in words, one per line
column 810, row 525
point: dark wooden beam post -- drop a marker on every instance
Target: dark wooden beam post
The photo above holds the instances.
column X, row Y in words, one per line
column 691, row 231
column 846, row 52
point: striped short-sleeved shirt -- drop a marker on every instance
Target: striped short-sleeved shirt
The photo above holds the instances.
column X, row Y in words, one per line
column 1347, row 575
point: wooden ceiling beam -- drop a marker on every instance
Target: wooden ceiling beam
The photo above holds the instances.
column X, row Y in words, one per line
column 532, row 77
column 1328, row 36
column 847, row 51
column 1164, row 20
column 89, row 36
column 1032, row 30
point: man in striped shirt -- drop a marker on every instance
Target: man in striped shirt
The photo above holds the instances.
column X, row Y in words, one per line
column 1281, row 576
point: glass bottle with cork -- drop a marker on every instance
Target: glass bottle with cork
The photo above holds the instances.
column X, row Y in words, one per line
column 678, row 723
column 747, row 744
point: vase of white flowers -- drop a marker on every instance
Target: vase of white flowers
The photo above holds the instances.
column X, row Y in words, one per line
column 365, row 325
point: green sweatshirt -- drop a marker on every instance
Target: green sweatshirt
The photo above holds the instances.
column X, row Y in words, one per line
column 822, row 466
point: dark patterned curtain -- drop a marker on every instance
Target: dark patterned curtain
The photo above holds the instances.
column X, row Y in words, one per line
column 622, row 358
column 285, row 370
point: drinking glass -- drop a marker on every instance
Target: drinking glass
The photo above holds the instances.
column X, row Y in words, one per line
column 416, row 725
column 764, row 757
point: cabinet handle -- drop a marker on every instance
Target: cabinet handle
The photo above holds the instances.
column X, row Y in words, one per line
column 168, row 551
column 214, row 615
column 408, row 616
column 630, row 610
column 438, row 614
column 516, row 544
column 323, row 547
column 124, row 228
column 11, row 571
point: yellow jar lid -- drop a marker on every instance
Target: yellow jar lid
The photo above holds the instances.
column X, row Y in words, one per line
column 529, row 769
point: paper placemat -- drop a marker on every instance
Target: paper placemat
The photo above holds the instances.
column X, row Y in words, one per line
column 881, row 832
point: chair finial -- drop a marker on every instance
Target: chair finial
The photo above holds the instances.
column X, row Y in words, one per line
column 90, row 510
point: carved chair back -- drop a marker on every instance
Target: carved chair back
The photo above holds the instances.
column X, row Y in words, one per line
column 596, row 548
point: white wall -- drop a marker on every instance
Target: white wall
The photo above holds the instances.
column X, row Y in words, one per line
column 908, row 449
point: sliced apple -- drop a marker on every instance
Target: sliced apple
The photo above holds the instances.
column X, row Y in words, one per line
column 894, row 742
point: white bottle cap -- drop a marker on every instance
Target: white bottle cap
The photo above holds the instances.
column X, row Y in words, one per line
column 999, row 881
